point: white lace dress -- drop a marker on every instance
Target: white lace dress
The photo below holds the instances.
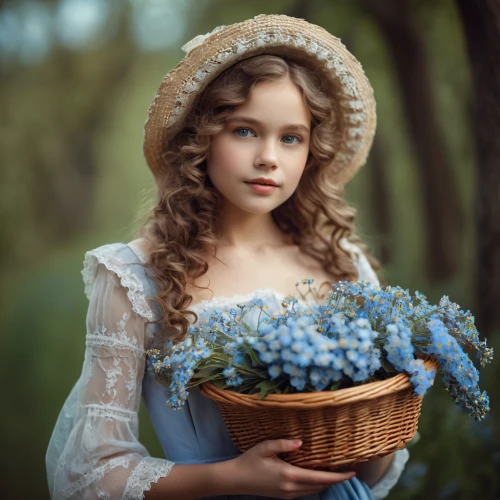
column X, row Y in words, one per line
column 94, row 451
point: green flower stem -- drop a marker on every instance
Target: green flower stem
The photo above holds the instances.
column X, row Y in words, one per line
column 428, row 315
column 252, row 355
column 195, row 382
column 246, row 371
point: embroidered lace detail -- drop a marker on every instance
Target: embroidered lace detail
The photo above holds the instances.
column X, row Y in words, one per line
column 392, row 475
column 101, row 337
column 147, row 471
column 94, row 475
column 111, row 413
column 348, row 94
column 135, row 289
column 98, row 340
column 221, row 301
column 112, row 375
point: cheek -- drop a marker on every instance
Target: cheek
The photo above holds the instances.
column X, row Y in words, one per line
column 299, row 165
column 222, row 157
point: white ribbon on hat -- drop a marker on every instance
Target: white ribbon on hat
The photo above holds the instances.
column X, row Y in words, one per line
column 198, row 40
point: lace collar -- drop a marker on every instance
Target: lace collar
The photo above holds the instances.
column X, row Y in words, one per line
column 224, row 301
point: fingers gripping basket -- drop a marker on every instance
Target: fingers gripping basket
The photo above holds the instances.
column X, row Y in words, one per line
column 336, row 427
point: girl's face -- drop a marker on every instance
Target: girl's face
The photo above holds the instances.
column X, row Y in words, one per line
column 257, row 160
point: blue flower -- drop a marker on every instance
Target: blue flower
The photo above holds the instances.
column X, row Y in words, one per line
column 344, row 337
column 323, row 359
column 293, row 370
column 275, row 345
column 260, row 346
column 284, row 336
column 269, row 357
column 298, row 383
column 305, row 356
column 287, row 354
column 275, row 371
column 229, row 372
column 265, row 328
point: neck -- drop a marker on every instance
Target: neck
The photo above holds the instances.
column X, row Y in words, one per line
column 249, row 231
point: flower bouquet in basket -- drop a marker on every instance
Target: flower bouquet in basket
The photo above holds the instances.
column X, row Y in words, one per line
column 346, row 375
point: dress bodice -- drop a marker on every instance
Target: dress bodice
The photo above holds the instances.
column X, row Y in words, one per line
column 196, row 433
column 121, row 296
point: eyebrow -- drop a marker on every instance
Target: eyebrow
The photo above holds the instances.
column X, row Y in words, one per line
column 253, row 121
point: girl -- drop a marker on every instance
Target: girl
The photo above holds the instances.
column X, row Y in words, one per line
column 250, row 138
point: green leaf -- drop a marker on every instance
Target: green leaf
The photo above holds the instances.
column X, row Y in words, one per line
column 220, row 383
column 247, row 361
column 196, row 380
column 253, row 355
column 247, row 328
column 387, row 366
column 247, row 386
column 266, row 386
column 206, row 371
column 336, row 385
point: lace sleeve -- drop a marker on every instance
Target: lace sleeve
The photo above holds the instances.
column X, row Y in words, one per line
column 94, row 451
column 365, row 270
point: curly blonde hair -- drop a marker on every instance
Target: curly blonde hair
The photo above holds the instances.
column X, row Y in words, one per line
column 182, row 226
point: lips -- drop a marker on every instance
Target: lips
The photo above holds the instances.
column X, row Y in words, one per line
column 263, row 182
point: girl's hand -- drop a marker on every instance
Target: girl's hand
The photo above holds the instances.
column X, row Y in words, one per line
column 260, row 472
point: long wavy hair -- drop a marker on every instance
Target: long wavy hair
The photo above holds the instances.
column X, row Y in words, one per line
column 182, row 226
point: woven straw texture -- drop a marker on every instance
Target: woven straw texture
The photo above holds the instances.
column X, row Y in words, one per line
column 311, row 45
column 337, row 428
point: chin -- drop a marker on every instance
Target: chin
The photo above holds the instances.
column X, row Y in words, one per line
column 260, row 208
column 258, row 211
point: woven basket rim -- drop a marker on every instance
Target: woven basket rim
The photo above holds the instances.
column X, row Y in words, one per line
column 318, row 399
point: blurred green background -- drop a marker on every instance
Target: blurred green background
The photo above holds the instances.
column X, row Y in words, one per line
column 77, row 77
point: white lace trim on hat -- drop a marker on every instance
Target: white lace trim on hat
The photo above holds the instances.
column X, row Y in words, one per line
column 349, row 97
column 198, row 40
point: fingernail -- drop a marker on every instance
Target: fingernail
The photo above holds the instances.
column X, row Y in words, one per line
column 297, row 442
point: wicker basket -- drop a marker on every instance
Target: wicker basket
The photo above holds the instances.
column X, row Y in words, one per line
column 337, row 428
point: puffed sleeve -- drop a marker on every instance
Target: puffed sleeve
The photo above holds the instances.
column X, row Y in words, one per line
column 365, row 270
column 94, row 451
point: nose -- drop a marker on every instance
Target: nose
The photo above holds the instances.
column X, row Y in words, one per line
column 267, row 156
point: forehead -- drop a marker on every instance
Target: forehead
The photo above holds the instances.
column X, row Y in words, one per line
column 275, row 101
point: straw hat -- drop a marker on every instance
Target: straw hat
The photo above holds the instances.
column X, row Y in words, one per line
column 209, row 55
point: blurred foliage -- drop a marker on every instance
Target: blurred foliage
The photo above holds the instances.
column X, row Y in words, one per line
column 74, row 178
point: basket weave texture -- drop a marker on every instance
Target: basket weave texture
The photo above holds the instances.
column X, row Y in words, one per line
column 337, row 428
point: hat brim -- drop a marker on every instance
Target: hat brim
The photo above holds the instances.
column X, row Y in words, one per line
column 308, row 44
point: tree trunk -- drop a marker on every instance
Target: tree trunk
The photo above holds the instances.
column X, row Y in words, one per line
column 481, row 21
column 380, row 201
column 443, row 213
column 61, row 107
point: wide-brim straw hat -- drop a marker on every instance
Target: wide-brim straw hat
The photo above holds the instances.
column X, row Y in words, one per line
column 209, row 55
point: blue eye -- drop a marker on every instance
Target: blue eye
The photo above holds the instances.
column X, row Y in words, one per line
column 243, row 132
column 294, row 139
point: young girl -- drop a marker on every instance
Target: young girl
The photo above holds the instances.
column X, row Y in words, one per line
column 250, row 139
